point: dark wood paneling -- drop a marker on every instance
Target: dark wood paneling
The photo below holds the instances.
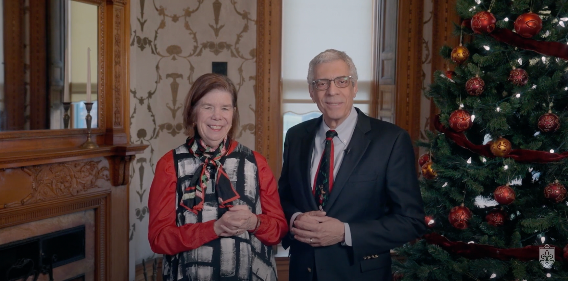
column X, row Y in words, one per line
column 14, row 55
column 444, row 17
column 268, row 131
column 409, row 66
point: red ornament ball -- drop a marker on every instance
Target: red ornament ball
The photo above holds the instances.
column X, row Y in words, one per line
column 475, row 86
column 430, row 222
column 504, row 195
column 423, row 159
column 483, row 22
column 460, row 120
column 519, row 77
column 500, row 147
column 496, row 217
column 555, row 192
column 459, row 217
column 450, row 74
column 548, row 122
column 528, row 25
column 428, row 172
column 460, row 54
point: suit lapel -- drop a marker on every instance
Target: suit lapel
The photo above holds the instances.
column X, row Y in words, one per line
column 356, row 149
column 306, row 149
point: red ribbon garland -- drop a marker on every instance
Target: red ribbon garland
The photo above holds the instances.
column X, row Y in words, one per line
column 519, row 155
column 477, row 251
column 555, row 49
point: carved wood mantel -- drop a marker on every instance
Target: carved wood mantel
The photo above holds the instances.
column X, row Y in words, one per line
column 45, row 173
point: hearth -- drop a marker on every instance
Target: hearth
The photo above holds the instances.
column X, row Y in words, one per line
column 32, row 257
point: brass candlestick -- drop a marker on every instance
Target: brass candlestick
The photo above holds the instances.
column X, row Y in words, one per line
column 66, row 117
column 89, row 143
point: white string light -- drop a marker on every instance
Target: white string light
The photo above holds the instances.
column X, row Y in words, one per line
column 483, row 159
column 518, row 95
column 506, row 167
column 498, row 109
column 472, row 117
column 506, row 19
column 552, row 151
column 486, row 47
column 469, row 160
column 493, row 275
column 445, row 184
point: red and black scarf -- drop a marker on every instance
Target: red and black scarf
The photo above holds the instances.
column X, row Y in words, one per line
column 210, row 168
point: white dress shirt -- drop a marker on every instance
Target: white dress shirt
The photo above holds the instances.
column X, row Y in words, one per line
column 340, row 143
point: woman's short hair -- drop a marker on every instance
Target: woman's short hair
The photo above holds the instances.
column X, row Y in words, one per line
column 330, row 55
column 203, row 85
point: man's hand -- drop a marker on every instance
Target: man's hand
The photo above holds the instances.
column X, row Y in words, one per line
column 318, row 230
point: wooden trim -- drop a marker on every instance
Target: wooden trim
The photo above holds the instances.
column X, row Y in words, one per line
column 409, row 66
column 444, row 16
column 39, row 118
column 268, row 131
column 11, row 160
column 14, row 93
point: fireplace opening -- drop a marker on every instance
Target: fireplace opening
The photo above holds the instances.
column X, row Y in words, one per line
column 41, row 254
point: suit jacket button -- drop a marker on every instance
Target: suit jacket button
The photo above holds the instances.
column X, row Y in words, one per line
column 309, row 269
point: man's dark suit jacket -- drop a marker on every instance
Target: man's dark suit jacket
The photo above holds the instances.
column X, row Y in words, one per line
column 375, row 191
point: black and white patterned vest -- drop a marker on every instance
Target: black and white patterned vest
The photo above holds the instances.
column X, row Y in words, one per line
column 241, row 257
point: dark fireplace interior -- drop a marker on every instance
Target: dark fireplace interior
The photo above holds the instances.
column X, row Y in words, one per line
column 27, row 259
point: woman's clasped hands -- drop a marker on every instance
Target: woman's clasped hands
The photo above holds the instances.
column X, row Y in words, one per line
column 236, row 221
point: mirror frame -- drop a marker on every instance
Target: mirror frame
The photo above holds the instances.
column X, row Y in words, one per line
column 113, row 94
column 101, row 94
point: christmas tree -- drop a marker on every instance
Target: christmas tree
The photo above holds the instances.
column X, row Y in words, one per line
column 493, row 180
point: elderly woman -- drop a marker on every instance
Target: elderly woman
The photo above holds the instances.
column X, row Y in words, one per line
column 214, row 207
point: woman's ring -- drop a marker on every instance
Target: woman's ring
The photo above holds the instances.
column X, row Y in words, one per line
column 311, row 241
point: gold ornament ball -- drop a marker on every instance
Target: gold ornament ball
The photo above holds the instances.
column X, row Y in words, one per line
column 428, row 172
column 500, row 147
column 460, row 54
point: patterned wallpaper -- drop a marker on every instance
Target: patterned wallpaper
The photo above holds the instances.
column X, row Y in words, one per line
column 172, row 43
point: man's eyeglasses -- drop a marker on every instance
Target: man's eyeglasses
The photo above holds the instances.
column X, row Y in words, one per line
column 340, row 82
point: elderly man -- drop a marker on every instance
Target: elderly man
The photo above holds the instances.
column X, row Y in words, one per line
column 348, row 186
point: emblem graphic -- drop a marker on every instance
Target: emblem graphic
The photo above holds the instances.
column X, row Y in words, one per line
column 546, row 256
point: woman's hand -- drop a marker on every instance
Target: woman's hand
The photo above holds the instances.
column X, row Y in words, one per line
column 234, row 222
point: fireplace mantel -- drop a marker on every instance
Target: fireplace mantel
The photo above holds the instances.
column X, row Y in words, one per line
column 44, row 174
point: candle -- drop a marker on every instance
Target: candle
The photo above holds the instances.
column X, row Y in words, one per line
column 88, row 74
column 66, row 95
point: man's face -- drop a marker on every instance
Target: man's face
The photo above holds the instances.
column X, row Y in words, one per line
column 335, row 103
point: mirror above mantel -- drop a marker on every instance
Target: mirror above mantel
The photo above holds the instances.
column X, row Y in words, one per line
column 46, row 64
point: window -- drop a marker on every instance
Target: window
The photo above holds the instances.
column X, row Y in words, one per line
column 310, row 27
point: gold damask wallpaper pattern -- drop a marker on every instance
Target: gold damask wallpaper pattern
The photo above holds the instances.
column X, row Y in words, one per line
column 172, row 43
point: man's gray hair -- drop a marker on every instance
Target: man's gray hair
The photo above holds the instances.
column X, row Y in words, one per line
column 330, row 55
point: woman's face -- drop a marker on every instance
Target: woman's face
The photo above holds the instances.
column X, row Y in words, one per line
column 214, row 116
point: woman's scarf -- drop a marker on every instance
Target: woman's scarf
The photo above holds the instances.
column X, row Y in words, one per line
column 210, row 168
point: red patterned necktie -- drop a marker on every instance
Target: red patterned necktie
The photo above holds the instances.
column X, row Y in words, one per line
column 323, row 183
